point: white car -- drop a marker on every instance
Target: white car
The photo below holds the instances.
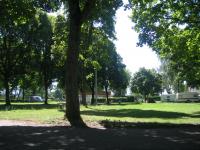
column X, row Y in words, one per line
column 36, row 99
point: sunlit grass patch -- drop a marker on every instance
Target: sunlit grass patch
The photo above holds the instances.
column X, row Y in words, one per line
column 174, row 113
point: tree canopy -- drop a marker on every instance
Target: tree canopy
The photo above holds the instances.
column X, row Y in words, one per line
column 146, row 82
column 37, row 49
column 171, row 28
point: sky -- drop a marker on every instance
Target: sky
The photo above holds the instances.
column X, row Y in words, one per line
column 133, row 57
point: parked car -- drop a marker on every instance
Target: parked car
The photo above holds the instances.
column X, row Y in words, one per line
column 36, row 99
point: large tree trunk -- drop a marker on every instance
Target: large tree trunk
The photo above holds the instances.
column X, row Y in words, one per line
column 46, row 92
column 45, row 83
column 18, row 95
column 72, row 100
column 107, row 99
column 6, row 82
column 83, row 89
column 23, row 94
column 83, row 95
column 92, row 90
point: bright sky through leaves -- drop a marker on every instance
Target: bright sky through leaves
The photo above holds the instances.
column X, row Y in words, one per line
column 134, row 57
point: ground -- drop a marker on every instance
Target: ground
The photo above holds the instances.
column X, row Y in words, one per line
column 20, row 135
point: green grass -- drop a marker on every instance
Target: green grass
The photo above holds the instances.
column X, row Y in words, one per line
column 36, row 112
column 175, row 113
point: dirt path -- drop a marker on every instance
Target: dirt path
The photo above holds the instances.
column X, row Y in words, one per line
column 37, row 124
column 19, row 123
column 27, row 135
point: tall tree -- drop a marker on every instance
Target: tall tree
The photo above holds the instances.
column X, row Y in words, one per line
column 43, row 51
column 15, row 33
column 60, row 34
column 78, row 13
column 76, row 17
column 171, row 78
column 102, row 54
column 122, row 79
column 14, row 50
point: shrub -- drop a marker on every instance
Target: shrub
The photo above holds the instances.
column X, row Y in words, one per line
column 155, row 98
column 131, row 98
column 101, row 100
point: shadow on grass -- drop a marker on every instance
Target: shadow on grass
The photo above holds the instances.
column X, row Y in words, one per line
column 145, row 125
column 18, row 138
column 120, row 104
column 28, row 106
column 135, row 113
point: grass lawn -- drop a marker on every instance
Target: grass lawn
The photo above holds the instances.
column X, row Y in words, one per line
column 36, row 112
column 176, row 113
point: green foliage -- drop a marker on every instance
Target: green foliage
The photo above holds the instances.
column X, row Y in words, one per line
column 131, row 98
column 98, row 51
column 171, row 28
column 23, row 29
column 118, row 99
column 58, row 94
column 155, row 98
column 101, row 100
column 146, row 82
column 15, row 31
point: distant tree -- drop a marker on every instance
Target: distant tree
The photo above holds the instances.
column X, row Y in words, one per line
column 172, row 81
column 101, row 54
column 122, row 82
column 60, row 34
column 15, row 36
column 43, row 40
column 146, row 82
column 15, row 28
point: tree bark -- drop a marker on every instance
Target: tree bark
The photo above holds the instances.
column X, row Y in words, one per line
column 83, row 88
column 71, row 84
column 46, row 92
column 18, row 95
column 45, row 80
column 83, row 95
column 92, row 90
column 107, row 99
column 23, row 93
column 6, row 82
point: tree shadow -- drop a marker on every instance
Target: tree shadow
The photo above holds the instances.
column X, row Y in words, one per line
column 145, row 125
column 25, row 137
column 135, row 113
column 28, row 106
column 196, row 114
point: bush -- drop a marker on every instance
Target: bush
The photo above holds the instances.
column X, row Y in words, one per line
column 155, row 98
column 131, row 99
column 118, row 99
column 101, row 100
column 123, row 99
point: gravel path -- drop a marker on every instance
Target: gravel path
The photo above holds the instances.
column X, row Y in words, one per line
column 31, row 136
column 19, row 123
